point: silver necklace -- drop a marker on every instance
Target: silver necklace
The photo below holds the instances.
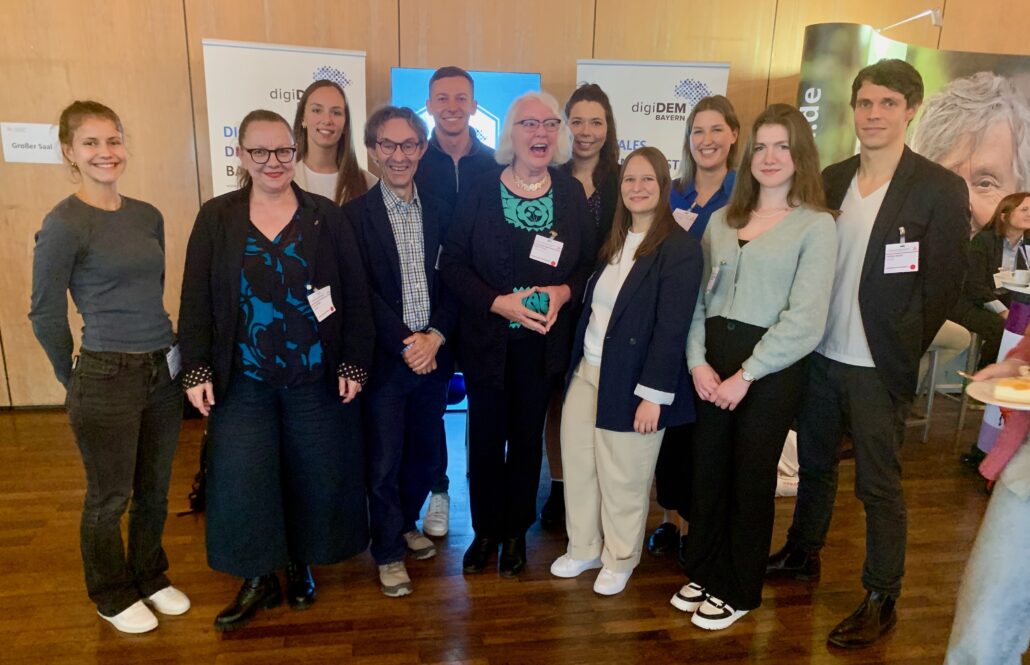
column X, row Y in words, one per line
column 527, row 186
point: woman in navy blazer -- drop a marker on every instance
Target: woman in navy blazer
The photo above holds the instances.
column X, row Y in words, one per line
column 629, row 378
column 520, row 250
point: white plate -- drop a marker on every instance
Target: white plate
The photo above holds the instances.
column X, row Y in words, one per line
column 983, row 391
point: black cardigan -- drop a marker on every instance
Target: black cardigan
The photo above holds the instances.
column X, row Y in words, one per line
column 477, row 266
column 984, row 259
column 210, row 305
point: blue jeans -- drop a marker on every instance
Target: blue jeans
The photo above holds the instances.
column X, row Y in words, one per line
column 125, row 411
column 992, row 618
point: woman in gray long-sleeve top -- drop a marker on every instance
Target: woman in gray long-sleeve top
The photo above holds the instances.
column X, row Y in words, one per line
column 124, row 402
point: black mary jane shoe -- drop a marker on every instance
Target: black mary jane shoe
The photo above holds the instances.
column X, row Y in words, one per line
column 300, row 586
column 256, row 593
column 663, row 540
column 513, row 556
column 478, row 554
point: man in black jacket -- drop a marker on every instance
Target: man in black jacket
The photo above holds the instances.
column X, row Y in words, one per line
column 902, row 236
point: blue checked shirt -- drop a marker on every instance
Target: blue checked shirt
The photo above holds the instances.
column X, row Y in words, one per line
column 406, row 222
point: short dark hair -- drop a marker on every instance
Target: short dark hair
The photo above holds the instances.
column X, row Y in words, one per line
column 895, row 74
column 451, row 71
column 379, row 118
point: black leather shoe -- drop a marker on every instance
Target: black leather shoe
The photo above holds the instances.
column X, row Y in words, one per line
column 300, row 586
column 873, row 618
column 256, row 592
column 664, row 540
column 513, row 556
column 793, row 562
column 552, row 515
column 478, row 554
column 973, row 458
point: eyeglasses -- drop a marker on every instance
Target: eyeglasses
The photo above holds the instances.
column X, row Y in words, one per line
column 532, row 124
column 262, row 155
column 389, row 147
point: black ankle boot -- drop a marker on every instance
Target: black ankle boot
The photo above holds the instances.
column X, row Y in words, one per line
column 256, row 592
column 478, row 554
column 300, row 586
column 513, row 556
column 793, row 562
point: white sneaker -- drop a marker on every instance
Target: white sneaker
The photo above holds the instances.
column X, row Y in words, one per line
column 715, row 614
column 438, row 515
column 689, row 597
column 135, row 618
column 169, row 600
column 566, row 566
column 393, row 580
column 419, row 547
column 609, row 582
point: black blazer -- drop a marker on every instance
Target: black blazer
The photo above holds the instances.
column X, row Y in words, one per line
column 985, row 254
column 368, row 217
column 477, row 265
column 646, row 339
column 210, row 305
column 902, row 312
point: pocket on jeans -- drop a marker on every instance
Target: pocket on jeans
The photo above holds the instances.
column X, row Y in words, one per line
column 97, row 366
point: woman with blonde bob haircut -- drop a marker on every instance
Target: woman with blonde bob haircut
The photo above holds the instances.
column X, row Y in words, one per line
column 628, row 379
column 770, row 256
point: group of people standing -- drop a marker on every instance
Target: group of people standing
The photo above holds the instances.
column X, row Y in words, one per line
column 655, row 327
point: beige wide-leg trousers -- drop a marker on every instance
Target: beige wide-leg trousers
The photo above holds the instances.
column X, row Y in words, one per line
column 607, row 479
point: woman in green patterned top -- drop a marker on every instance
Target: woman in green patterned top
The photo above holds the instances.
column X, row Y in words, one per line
column 520, row 249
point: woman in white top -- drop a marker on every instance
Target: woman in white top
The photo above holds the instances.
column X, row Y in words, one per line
column 326, row 162
column 628, row 379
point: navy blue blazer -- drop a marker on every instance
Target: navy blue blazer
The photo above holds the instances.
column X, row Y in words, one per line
column 477, row 265
column 646, row 339
column 371, row 223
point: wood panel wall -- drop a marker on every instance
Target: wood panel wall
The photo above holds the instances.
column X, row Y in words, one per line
column 145, row 60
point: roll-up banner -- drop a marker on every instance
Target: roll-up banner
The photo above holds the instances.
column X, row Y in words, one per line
column 651, row 100
column 974, row 120
column 243, row 76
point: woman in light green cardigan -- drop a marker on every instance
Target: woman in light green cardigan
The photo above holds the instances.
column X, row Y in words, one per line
column 769, row 264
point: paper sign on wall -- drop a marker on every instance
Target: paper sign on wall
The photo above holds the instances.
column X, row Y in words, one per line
column 30, row 143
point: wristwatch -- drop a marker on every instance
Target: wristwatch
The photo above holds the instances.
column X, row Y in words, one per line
column 747, row 376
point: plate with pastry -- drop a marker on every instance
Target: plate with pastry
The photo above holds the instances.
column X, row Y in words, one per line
column 1011, row 392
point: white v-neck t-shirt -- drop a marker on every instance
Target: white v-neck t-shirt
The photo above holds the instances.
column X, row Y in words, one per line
column 844, row 339
column 609, row 283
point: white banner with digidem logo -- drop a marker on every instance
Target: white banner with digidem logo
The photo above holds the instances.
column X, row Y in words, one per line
column 243, row 76
column 651, row 100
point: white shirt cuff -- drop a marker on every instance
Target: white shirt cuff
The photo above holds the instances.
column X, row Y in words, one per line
column 652, row 395
column 995, row 306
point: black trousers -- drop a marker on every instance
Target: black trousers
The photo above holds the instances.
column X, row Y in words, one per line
column 672, row 475
column 734, row 470
column 506, row 443
column 838, row 395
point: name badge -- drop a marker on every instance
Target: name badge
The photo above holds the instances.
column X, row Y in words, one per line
column 713, row 279
column 321, row 301
column 901, row 257
column 684, row 218
column 546, row 250
column 174, row 359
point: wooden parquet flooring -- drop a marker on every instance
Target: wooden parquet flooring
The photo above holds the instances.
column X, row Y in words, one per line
column 45, row 616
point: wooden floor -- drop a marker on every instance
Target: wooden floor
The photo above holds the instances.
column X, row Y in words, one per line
column 45, row 616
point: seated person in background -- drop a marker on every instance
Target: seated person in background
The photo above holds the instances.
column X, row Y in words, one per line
column 981, row 307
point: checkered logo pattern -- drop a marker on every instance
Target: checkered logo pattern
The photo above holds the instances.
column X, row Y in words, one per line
column 325, row 73
column 691, row 90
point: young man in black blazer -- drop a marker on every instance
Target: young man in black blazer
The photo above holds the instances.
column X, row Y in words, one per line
column 902, row 237
column 400, row 232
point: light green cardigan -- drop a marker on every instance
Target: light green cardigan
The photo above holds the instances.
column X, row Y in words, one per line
column 781, row 280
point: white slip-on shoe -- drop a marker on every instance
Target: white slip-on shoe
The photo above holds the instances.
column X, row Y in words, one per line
column 438, row 515
column 566, row 566
column 135, row 618
column 169, row 600
column 689, row 597
column 610, row 582
column 715, row 614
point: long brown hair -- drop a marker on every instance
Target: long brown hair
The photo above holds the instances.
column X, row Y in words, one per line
column 806, row 187
column 257, row 115
column 722, row 106
column 608, row 159
column 1000, row 219
column 350, row 181
column 663, row 224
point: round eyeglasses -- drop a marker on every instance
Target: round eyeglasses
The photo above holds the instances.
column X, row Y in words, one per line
column 407, row 147
column 262, row 155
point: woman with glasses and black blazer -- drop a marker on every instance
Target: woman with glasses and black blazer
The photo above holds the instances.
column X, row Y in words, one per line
column 276, row 337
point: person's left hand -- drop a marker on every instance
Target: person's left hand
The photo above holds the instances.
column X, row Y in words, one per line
column 645, row 421
column 349, row 389
column 557, row 296
column 731, row 391
column 421, row 357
